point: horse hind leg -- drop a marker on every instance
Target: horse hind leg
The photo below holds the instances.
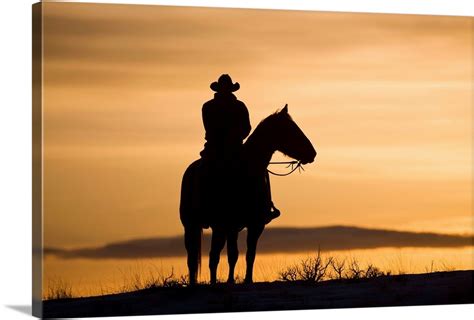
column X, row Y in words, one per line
column 192, row 242
column 253, row 233
column 232, row 254
column 217, row 244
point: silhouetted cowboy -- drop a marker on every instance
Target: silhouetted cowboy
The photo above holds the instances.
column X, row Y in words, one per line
column 226, row 120
column 227, row 124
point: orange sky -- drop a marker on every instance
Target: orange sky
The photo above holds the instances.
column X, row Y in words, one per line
column 385, row 99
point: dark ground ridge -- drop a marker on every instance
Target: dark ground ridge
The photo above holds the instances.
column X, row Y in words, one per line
column 455, row 287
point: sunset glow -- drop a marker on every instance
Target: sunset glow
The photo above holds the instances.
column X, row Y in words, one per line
column 385, row 99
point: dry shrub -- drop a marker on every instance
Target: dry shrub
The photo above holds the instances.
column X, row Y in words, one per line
column 339, row 267
column 316, row 269
column 374, row 272
column 312, row 269
column 355, row 271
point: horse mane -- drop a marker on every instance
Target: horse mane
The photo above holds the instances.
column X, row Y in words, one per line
column 273, row 117
column 261, row 131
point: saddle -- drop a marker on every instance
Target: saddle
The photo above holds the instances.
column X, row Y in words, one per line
column 227, row 196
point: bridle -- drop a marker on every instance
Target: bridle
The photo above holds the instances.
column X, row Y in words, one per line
column 294, row 165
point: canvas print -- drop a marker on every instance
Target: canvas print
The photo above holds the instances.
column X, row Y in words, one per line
column 194, row 160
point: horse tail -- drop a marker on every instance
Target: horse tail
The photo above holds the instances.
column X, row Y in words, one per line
column 187, row 212
column 199, row 246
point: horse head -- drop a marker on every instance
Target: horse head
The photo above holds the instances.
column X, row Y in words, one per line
column 289, row 139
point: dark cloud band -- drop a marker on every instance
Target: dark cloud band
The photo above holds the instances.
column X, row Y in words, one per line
column 273, row 240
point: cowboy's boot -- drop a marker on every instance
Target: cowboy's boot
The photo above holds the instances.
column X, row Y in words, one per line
column 272, row 213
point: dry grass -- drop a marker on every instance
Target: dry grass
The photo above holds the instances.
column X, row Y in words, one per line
column 59, row 289
column 132, row 281
column 135, row 281
column 312, row 269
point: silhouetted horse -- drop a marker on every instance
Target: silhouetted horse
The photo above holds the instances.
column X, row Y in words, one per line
column 239, row 194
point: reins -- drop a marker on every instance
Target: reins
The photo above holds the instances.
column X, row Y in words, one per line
column 294, row 165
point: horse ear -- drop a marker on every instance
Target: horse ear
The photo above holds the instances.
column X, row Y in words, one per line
column 285, row 109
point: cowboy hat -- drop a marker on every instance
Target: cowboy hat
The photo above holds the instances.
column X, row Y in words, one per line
column 224, row 84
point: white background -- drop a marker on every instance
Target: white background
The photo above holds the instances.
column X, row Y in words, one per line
column 15, row 156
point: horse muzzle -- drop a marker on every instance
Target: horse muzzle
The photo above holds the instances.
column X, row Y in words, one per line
column 310, row 158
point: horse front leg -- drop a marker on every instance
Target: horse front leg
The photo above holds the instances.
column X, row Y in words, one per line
column 232, row 254
column 253, row 233
column 217, row 244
